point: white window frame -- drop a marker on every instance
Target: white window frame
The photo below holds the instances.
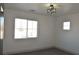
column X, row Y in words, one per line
column 27, row 29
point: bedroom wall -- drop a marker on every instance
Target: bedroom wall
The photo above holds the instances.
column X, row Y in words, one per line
column 68, row 40
column 46, row 33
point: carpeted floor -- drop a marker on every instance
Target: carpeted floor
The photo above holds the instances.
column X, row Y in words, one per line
column 50, row 51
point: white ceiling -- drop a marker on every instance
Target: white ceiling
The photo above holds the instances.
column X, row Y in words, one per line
column 41, row 8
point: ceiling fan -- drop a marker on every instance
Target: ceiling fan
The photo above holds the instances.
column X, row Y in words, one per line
column 51, row 8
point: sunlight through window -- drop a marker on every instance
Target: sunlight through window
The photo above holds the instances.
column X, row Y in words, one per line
column 66, row 25
column 25, row 28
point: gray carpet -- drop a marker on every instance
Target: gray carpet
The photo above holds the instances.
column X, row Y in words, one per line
column 50, row 51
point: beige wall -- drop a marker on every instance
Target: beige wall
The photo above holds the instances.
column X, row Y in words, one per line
column 68, row 40
column 46, row 33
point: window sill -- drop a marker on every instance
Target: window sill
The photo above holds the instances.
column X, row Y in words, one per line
column 25, row 38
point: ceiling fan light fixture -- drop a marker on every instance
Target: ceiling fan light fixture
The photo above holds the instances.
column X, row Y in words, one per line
column 51, row 9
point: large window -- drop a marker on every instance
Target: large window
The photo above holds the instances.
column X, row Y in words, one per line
column 25, row 28
column 1, row 27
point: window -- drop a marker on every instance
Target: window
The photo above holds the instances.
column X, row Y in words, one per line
column 66, row 25
column 25, row 28
column 32, row 28
column 20, row 28
column 1, row 27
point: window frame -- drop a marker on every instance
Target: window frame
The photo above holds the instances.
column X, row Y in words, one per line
column 27, row 28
